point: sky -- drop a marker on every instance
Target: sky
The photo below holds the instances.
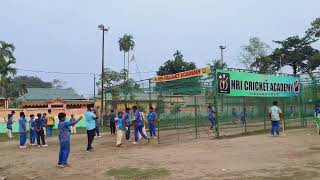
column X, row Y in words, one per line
column 60, row 35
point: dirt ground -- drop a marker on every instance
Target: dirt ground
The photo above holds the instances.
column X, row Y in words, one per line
column 294, row 156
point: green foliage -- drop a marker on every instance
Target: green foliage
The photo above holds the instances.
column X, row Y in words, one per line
column 7, row 59
column 298, row 52
column 175, row 66
column 178, row 86
column 117, row 84
column 217, row 64
column 126, row 43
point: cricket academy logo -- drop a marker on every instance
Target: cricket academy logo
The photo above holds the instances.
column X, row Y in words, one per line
column 223, row 83
column 297, row 87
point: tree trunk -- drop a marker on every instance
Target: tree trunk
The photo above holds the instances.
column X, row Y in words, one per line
column 128, row 64
column 124, row 60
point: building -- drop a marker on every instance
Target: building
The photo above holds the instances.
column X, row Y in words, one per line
column 52, row 98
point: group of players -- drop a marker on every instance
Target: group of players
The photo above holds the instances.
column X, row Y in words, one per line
column 42, row 124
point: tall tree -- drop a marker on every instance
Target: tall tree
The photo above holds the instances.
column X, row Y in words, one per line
column 253, row 50
column 175, row 66
column 298, row 52
column 182, row 86
column 126, row 44
column 7, row 59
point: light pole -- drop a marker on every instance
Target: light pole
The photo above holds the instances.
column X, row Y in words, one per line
column 222, row 48
column 103, row 29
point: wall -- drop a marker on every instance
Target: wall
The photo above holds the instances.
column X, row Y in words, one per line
column 4, row 114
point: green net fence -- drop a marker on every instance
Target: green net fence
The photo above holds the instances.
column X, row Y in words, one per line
column 182, row 109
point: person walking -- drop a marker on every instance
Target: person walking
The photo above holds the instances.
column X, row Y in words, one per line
column 139, row 126
column 22, row 130
column 127, row 123
column 152, row 119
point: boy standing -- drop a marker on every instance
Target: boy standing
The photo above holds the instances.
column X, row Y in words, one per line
column 64, row 139
column 32, row 125
column 73, row 128
column 139, row 126
column 119, row 126
column 22, row 130
column 127, row 122
column 90, row 126
column 112, row 117
column 39, row 131
column 9, row 124
column 274, row 114
column 50, row 123
column 152, row 119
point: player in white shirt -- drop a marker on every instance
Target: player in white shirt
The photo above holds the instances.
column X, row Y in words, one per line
column 275, row 115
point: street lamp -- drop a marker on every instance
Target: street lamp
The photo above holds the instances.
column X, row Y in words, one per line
column 103, row 29
column 222, row 48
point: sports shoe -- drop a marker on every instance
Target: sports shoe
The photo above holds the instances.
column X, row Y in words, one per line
column 61, row 166
column 67, row 165
column 155, row 137
column 135, row 142
column 45, row 145
column 23, row 147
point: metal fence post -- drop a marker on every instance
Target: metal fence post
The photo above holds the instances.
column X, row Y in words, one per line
column 195, row 116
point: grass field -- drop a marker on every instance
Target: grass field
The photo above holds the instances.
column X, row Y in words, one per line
column 255, row 157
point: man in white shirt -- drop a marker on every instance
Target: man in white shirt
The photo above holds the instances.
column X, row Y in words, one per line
column 275, row 115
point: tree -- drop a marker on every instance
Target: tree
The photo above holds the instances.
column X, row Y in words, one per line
column 254, row 49
column 175, row 66
column 18, row 85
column 58, row 84
column 298, row 52
column 126, row 44
column 118, row 84
column 7, row 59
column 182, row 86
column 216, row 64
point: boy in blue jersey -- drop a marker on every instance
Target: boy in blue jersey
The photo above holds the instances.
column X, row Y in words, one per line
column 119, row 127
column 152, row 119
column 39, row 131
column 32, row 125
column 139, row 126
column 127, row 123
column 22, row 130
column 64, row 139
column 9, row 124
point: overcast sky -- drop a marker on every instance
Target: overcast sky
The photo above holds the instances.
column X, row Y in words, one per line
column 62, row 35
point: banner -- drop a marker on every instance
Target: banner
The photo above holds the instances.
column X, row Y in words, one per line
column 235, row 83
column 182, row 75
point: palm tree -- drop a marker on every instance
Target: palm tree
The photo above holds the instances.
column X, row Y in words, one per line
column 123, row 48
column 126, row 44
column 7, row 59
